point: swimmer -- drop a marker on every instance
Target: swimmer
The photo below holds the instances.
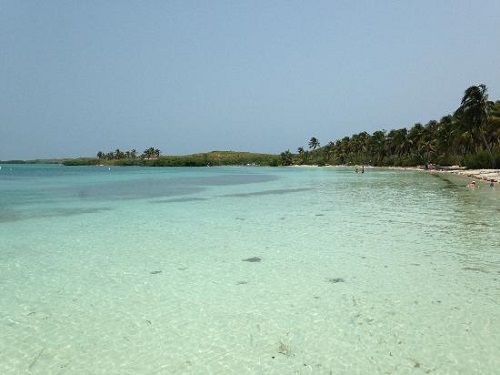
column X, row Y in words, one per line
column 472, row 185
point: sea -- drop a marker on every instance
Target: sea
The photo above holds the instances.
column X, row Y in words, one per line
column 247, row 270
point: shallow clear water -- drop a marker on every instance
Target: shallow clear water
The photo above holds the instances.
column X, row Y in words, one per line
column 142, row 271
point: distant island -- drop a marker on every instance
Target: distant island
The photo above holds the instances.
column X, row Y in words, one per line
column 155, row 159
column 470, row 137
column 129, row 158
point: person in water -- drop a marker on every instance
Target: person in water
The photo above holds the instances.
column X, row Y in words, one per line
column 472, row 185
column 492, row 183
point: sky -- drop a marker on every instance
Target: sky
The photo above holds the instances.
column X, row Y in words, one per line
column 186, row 76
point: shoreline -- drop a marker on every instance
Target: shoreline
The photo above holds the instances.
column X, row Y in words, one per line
column 486, row 175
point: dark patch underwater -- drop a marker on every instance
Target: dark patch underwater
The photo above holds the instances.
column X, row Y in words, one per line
column 267, row 192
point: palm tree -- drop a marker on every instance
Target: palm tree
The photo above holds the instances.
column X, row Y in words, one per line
column 151, row 153
column 495, row 125
column 302, row 155
column 363, row 139
column 378, row 145
column 119, row 154
column 473, row 129
column 474, row 113
column 415, row 138
column 428, row 142
column 146, row 154
column 402, row 143
column 313, row 143
column 330, row 151
column 444, row 136
column 343, row 149
column 465, row 143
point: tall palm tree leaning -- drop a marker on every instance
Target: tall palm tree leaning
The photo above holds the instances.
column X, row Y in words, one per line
column 474, row 113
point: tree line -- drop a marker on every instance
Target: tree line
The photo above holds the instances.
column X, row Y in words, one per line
column 149, row 153
column 213, row 158
column 469, row 137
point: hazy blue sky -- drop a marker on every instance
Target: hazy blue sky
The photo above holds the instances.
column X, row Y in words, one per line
column 81, row 76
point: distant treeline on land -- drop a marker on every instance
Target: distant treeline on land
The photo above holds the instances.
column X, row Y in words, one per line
column 470, row 137
column 214, row 158
column 128, row 158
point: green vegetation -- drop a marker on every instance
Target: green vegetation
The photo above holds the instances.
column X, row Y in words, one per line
column 470, row 137
column 214, row 158
column 149, row 153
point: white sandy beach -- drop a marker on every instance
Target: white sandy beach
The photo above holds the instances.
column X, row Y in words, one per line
column 480, row 174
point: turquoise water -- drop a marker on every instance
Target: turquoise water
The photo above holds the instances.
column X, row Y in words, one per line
column 143, row 271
